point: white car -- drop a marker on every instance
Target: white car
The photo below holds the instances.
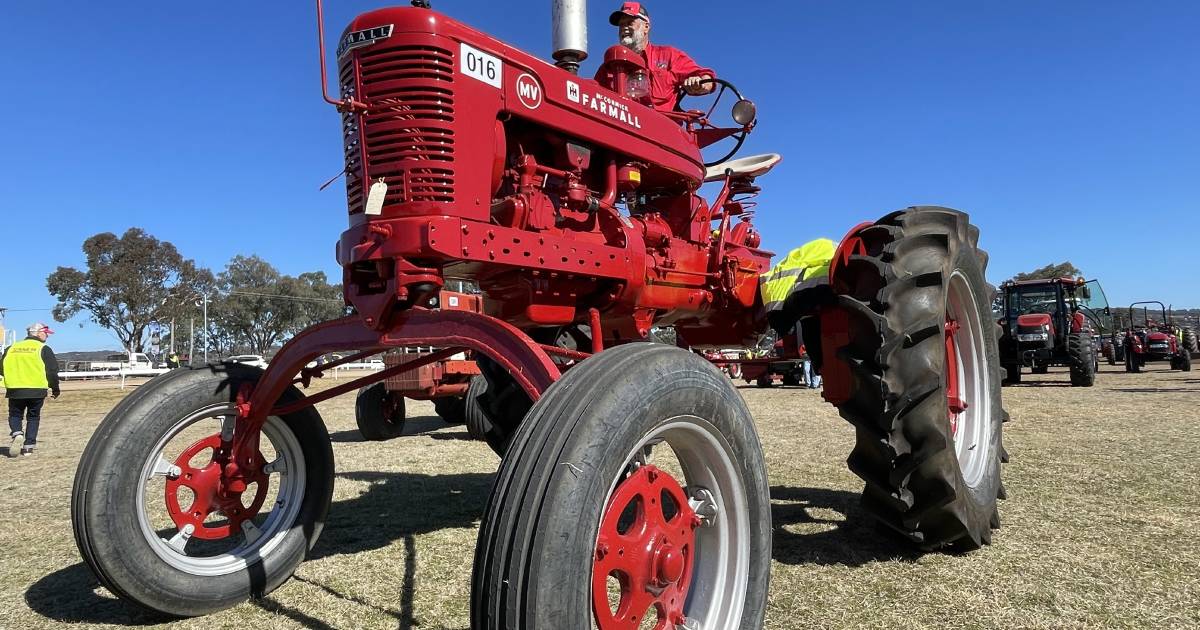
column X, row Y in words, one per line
column 249, row 359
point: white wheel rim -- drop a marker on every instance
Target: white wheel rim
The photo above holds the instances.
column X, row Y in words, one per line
column 972, row 439
column 288, row 478
column 721, row 562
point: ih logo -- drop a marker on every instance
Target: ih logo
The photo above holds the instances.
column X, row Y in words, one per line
column 529, row 92
column 573, row 91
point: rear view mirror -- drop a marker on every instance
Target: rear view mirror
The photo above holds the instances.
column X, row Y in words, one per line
column 1086, row 292
column 744, row 112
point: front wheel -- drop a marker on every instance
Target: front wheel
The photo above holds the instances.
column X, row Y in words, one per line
column 1082, row 358
column 633, row 495
column 1183, row 361
column 379, row 413
column 924, row 377
column 451, row 409
column 1132, row 364
column 152, row 515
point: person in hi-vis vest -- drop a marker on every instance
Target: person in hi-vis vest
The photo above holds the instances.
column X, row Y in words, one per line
column 29, row 369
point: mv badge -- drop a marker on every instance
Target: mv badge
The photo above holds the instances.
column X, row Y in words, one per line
column 528, row 91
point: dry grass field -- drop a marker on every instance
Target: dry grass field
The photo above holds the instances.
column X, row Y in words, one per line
column 1099, row 529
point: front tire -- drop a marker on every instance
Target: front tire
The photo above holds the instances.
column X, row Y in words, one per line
column 580, row 504
column 379, row 413
column 1132, row 364
column 919, row 320
column 451, row 409
column 1082, row 357
column 131, row 538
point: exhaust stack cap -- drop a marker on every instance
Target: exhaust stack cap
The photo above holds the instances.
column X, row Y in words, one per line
column 569, row 21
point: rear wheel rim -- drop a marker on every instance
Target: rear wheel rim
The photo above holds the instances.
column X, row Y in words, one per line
column 967, row 366
column 713, row 523
column 285, row 472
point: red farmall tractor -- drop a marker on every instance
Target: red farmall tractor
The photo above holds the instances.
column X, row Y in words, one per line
column 1154, row 341
column 632, row 485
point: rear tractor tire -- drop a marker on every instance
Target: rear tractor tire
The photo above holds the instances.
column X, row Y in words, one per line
column 151, row 518
column 634, row 494
column 451, row 409
column 1189, row 341
column 920, row 320
column 1082, row 356
column 379, row 413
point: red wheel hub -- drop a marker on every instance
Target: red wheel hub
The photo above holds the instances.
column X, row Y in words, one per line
column 646, row 542
column 216, row 487
column 954, row 400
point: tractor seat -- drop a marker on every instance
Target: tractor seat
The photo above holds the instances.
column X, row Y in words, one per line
column 752, row 166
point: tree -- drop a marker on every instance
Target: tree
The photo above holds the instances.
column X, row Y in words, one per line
column 260, row 307
column 1061, row 270
column 129, row 282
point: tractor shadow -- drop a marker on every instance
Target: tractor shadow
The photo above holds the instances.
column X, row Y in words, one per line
column 73, row 595
column 827, row 527
column 432, row 426
column 374, row 519
column 384, row 512
column 1152, row 390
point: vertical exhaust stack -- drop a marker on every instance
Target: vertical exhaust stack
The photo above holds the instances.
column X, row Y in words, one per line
column 569, row 21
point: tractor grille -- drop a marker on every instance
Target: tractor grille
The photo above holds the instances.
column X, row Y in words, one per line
column 407, row 137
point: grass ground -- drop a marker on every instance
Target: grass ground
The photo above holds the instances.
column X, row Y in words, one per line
column 1099, row 529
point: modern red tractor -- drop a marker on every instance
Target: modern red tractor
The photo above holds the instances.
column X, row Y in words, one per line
column 1154, row 341
column 1054, row 321
column 627, row 464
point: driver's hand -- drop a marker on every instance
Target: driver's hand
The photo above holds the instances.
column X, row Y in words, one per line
column 693, row 86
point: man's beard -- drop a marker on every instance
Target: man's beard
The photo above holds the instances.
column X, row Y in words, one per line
column 635, row 41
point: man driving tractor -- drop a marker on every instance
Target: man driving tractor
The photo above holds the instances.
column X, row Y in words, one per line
column 671, row 69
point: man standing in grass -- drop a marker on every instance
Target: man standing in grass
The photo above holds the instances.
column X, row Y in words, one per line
column 29, row 369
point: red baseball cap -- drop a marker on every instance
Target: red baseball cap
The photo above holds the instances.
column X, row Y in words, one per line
column 632, row 9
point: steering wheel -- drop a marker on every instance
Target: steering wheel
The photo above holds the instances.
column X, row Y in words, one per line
column 703, row 122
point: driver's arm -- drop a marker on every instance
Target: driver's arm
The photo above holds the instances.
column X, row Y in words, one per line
column 690, row 75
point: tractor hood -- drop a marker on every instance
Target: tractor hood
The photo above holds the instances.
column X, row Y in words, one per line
column 1158, row 336
column 1034, row 320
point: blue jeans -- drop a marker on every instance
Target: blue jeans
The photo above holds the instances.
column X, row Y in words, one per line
column 29, row 409
column 811, row 378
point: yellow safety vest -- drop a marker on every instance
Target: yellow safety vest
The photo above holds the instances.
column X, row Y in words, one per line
column 24, row 367
column 808, row 262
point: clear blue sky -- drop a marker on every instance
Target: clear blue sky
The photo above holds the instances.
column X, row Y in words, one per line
column 1067, row 129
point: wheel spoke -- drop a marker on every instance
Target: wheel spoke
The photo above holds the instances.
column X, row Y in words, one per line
column 704, row 504
column 251, row 531
column 179, row 541
column 164, row 468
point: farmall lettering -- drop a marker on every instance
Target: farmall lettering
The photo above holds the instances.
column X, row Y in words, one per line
column 602, row 105
column 529, row 92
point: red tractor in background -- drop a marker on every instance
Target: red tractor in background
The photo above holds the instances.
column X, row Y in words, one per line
column 626, row 464
column 1155, row 341
column 1055, row 321
column 379, row 409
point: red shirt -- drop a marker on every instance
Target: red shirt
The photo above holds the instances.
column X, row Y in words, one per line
column 669, row 67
